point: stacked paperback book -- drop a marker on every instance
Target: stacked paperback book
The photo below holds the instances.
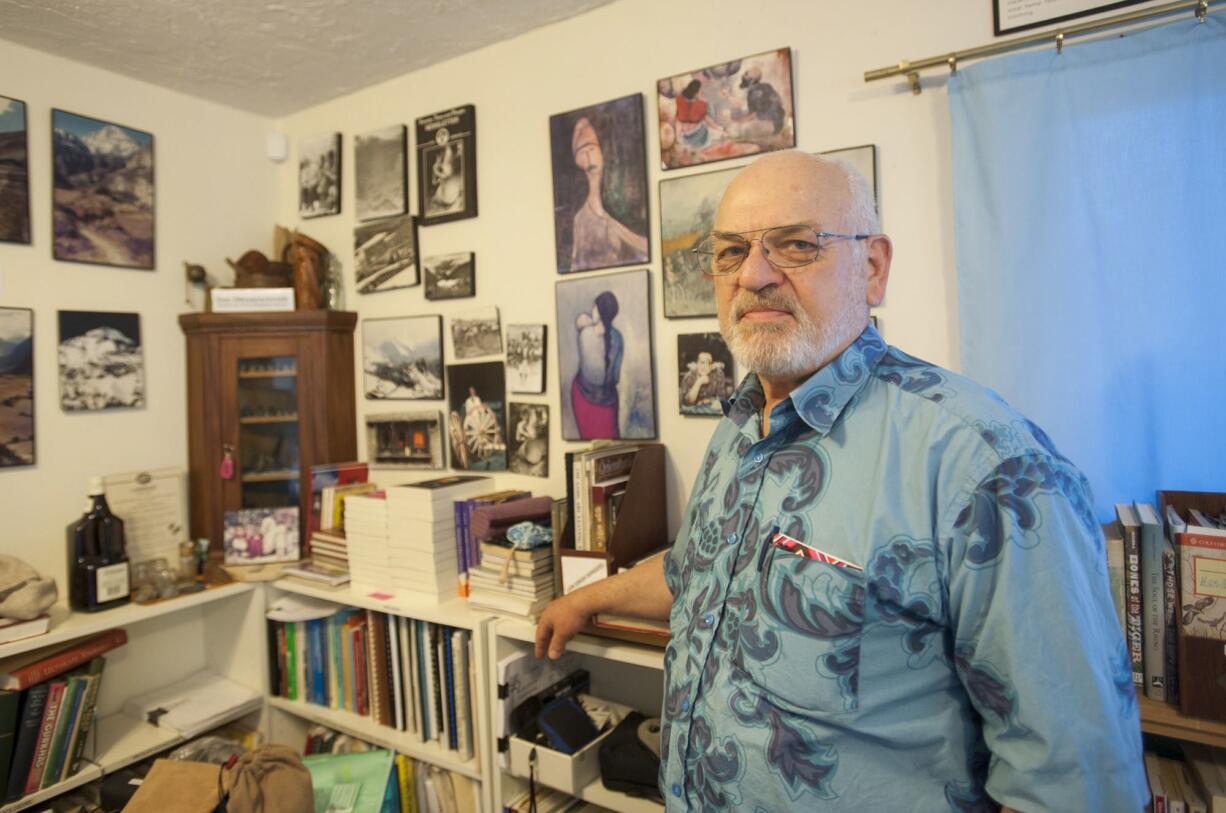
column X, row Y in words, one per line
column 366, row 540
column 421, row 536
column 329, row 562
column 512, row 582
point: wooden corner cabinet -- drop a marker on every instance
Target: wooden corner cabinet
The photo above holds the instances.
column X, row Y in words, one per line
column 273, row 393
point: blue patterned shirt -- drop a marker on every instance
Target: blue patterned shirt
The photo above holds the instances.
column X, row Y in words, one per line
column 968, row 656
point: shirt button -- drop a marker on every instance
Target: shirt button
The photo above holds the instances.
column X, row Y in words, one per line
column 676, row 790
column 757, row 458
column 685, row 704
column 709, row 619
column 732, row 538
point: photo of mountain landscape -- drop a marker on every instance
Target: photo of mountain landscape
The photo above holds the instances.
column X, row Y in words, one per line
column 14, row 173
column 104, row 195
column 16, row 387
column 102, row 364
column 402, row 358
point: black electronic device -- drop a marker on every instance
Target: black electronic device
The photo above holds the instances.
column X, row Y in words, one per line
column 524, row 716
column 630, row 757
column 566, row 726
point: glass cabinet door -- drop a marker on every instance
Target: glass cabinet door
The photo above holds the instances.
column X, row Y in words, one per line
column 267, row 458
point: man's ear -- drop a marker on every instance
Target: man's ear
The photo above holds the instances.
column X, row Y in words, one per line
column 880, row 254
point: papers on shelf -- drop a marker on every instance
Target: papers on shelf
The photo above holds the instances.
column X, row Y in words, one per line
column 194, row 705
column 294, row 607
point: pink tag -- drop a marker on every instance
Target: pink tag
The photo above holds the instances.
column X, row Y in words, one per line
column 227, row 467
column 381, row 596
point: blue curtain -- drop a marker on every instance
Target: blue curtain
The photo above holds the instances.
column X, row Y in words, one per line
column 1090, row 203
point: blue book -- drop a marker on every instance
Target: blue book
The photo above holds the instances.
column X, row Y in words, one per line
column 423, row 699
column 449, row 686
column 315, row 658
column 27, row 739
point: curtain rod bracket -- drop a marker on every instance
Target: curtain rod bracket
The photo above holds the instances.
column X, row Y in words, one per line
column 1059, row 42
column 1202, row 10
column 953, row 64
column 913, row 78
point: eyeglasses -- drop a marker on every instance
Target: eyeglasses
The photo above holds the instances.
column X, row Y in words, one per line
column 785, row 247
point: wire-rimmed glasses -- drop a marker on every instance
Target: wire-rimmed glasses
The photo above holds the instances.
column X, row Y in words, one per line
column 785, row 247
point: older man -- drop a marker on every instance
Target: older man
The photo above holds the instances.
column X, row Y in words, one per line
column 889, row 590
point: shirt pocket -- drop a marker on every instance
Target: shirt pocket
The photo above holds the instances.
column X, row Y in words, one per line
column 801, row 641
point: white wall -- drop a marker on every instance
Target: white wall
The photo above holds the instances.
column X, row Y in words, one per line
column 215, row 197
column 624, row 48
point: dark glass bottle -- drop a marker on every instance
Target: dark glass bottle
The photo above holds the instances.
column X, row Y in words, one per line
column 98, row 577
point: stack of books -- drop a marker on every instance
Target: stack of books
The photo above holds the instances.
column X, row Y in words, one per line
column 512, row 582
column 329, row 562
column 366, row 541
column 597, row 482
column 422, row 556
column 1195, row 783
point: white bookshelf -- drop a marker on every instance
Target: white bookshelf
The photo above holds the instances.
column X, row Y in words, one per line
column 451, row 612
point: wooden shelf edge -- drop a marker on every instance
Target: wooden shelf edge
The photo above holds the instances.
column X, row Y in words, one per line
column 1164, row 719
column 450, row 613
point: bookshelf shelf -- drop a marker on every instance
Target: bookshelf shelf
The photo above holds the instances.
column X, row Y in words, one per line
column 366, row 729
column 451, row 613
column 1165, row 720
column 271, row 476
column 67, row 625
column 262, row 419
column 270, row 374
column 636, row 654
column 596, row 793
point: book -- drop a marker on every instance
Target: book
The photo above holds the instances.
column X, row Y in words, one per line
column 1113, row 535
column 461, row 657
column 1130, row 528
column 70, row 706
column 449, row 690
column 12, row 629
column 51, row 713
column 1193, row 799
column 23, row 671
column 330, row 474
column 393, row 657
column 1175, row 800
column 10, row 723
column 1202, row 597
column 1153, row 607
column 1157, row 787
column 313, row 571
column 88, row 708
column 1207, row 776
column 28, row 729
column 605, row 499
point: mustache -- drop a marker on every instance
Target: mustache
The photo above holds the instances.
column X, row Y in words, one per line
column 774, row 300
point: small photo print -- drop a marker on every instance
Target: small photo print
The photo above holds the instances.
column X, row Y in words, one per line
column 704, row 372
column 16, row 387
column 402, row 358
column 319, row 175
column 379, row 172
column 255, row 536
column 102, row 363
column 385, row 254
column 476, row 333
column 451, row 276
column 526, row 359
column 447, row 165
column 476, row 422
column 528, row 426
column 405, row 440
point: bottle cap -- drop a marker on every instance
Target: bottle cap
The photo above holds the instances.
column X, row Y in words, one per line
column 95, row 487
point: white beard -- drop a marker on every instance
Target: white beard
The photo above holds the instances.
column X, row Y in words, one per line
column 786, row 348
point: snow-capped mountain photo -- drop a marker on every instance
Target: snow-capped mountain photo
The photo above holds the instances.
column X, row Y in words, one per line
column 102, row 363
column 402, row 358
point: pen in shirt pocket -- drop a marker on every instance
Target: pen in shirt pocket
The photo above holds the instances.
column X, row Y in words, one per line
column 766, row 547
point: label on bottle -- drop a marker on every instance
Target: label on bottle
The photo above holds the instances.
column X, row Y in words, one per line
column 112, row 582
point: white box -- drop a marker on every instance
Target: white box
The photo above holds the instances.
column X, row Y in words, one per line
column 570, row 773
column 246, row 300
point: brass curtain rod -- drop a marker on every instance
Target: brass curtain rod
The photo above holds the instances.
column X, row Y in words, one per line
column 911, row 69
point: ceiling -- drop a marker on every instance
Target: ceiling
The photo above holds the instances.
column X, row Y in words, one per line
column 272, row 57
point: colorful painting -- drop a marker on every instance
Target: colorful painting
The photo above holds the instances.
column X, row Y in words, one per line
column 526, row 358
column 402, row 358
column 379, row 172
column 451, row 276
column 600, row 186
column 16, row 387
column 103, row 195
column 729, row 110
column 529, row 436
column 319, row 175
column 14, row 173
column 256, row 536
column 447, row 165
column 704, row 373
column 385, row 255
column 687, row 214
column 604, row 357
column 102, row 363
column 476, row 422
column 405, row 440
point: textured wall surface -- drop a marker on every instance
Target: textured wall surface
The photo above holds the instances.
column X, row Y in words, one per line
column 271, row 57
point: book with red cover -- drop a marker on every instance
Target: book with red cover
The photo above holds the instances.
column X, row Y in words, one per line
column 330, row 474
column 24, row 671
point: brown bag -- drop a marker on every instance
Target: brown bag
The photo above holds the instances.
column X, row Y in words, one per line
column 270, row 779
column 177, row 787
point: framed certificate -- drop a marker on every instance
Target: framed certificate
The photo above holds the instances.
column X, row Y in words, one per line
column 1013, row 16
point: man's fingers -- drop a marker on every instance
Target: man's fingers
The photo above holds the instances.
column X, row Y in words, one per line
column 544, row 631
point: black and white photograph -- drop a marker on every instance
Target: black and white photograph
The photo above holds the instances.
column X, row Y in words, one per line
column 476, row 333
column 319, row 175
column 402, row 358
column 379, row 172
column 385, row 255
column 450, row 276
column 476, row 423
column 704, row 373
column 405, row 440
column 14, row 173
column 103, row 198
column 102, row 363
column 526, row 359
column 16, row 387
column 447, row 165
column 528, row 432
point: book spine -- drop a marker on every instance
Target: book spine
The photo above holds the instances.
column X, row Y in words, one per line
column 61, row 662
column 360, row 677
column 347, row 701
column 70, row 707
column 461, row 549
column 372, row 665
column 87, row 715
column 393, row 655
column 27, row 739
column 274, row 654
column 599, row 530
column 582, row 497
column 1170, row 612
column 291, row 658
column 1133, row 603
column 568, row 534
column 55, row 699
column 10, row 723
column 1153, row 612
column 449, row 689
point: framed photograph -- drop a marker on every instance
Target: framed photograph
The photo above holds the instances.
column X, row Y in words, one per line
column 600, row 186
column 103, row 192
column 385, row 255
column 526, row 359
column 728, row 110
column 380, row 182
column 451, row 276
column 1012, row 16
column 405, row 440
column 476, row 333
column 319, row 175
column 256, row 536
column 447, row 165
column 14, row 173
column 16, row 387
column 605, row 358
column 687, row 214
column 402, row 358
column 528, row 425
column 863, row 158
column 704, row 372
column 102, row 363
column 476, row 421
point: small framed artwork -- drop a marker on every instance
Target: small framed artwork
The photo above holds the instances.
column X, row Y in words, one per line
column 319, row 175
column 736, row 108
column 1011, row 16
column 528, row 426
column 476, row 333
column 687, row 214
column 104, row 194
column 256, row 536
column 14, row 173
column 476, row 421
column 385, row 254
column 526, row 358
column 863, row 158
column 451, row 276
column 600, row 186
column 16, row 387
column 102, row 363
column 604, row 357
column 447, row 165
column 380, row 182
column 402, row 358
column 704, row 373
column 405, row 440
